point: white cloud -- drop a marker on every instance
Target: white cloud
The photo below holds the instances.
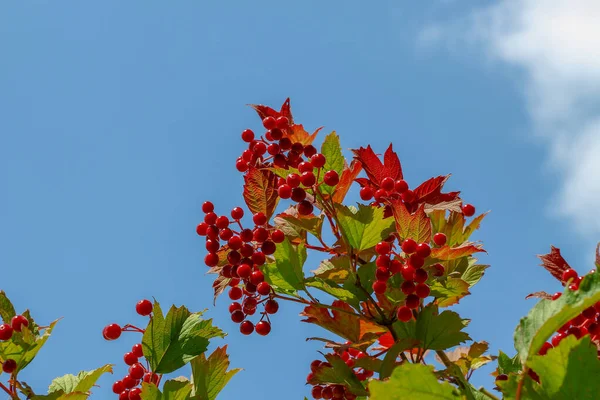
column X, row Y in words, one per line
column 557, row 45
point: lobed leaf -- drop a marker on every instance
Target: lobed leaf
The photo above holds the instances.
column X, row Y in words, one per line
column 210, row 375
column 286, row 273
column 416, row 226
column 412, row 381
column 449, row 291
column 364, row 228
column 374, row 168
column 81, row 383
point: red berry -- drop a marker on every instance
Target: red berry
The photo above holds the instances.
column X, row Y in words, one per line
column 310, row 150
column 502, row 377
column 298, row 194
column 151, row 377
column 269, row 123
column 129, row 382
column 438, row 269
column 382, row 261
column 284, row 191
column 201, row 229
column 282, row 122
column 18, row 322
column 235, row 293
column 439, row 239
column 260, row 235
column 380, row 195
column 366, row 193
column 259, row 218
column 382, row 274
column 212, row 246
column 118, row 387
column 407, row 287
column 408, row 273
column 237, row 213
column 130, row 359
column 124, row 395
column 416, row 261
column 234, row 307
column 589, row 312
column 408, row 196
column 247, row 135
column 379, row 287
column 263, row 288
column 136, row 371
column 423, row 250
column 308, row 179
column 293, row 180
column 305, row 166
column 256, row 278
column 277, row 236
column 244, row 271
column 271, row 307
column 137, row 350
column 246, row 327
column 317, row 392
column 382, row 248
column 263, row 328
column 327, row 392
column 318, row 160
column 9, row 366
column 135, row 394
column 237, row 316
column 110, row 332
column 422, row 290
column 305, row 208
column 247, row 235
column 400, row 186
column 404, row 314
column 222, row 222
column 258, row 258
column 468, row 210
column 545, row 347
column 276, row 134
column 268, row 247
column 556, row 295
column 331, row 178
column 210, row 218
column 409, row 246
column 412, row 301
column 395, row 266
column 211, row 259
column 421, row 276
column 208, row 207
column 144, row 307
column 569, row 274
column 556, row 339
column 241, row 165
column 387, row 184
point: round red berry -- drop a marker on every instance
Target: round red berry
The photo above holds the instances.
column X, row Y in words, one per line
column 284, row 191
column 407, row 287
column 211, row 259
column 438, row 269
column 308, row 178
column 271, row 306
column 263, row 288
column 247, row 135
column 244, row 271
column 569, row 274
column 305, row 166
column 246, row 327
column 387, row 184
column 144, row 307
column 237, row 316
column 439, row 239
column 408, row 272
column 207, row 207
column 135, row 394
column 237, row 213
column 259, row 218
column 130, row 359
column 366, row 193
column 556, row 295
column 422, row 290
column 404, row 314
column 269, row 122
column 18, row 322
column 235, row 293
column 382, row 248
column 282, row 122
column 263, row 328
column 412, row 301
column 305, row 208
column 136, row 371
column 317, row 392
column 423, row 250
column 9, row 366
column 124, row 395
column 277, row 236
column 401, row 186
column 118, row 387
column 331, row 178
column 318, row 160
column 409, row 246
column 137, row 350
column 416, row 261
column 298, row 194
column 382, row 274
column 110, row 332
column 202, row 228
column 468, row 210
column 379, row 287
column 421, row 276
column 129, row 382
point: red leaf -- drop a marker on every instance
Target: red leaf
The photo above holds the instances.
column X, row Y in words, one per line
column 452, row 253
column 348, row 175
column 266, row 111
column 374, row 168
column 554, row 263
column 342, row 324
column 386, row 340
column 430, row 191
column 219, row 286
column 416, row 226
column 260, row 191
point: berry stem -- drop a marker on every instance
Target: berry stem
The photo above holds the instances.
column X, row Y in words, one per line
column 7, row 390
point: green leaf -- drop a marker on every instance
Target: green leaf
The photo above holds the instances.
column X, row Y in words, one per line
column 338, row 373
column 507, row 365
column 332, row 150
column 82, row 383
column 172, row 341
column 412, row 381
column 336, row 269
column 434, row 331
column 210, row 374
column 569, row 371
column 7, row 311
column 286, row 273
column 389, row 361
column 333, row 289
column 474, row 273
column 313, row 225
column 547, row 316
column 365, row 228
column 150, row 392
column 24, row 346
column 450, row 291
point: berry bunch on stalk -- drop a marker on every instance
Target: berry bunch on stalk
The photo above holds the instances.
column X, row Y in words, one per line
column 402, row 255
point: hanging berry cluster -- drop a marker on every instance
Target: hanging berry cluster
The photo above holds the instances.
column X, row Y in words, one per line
column 129, row 388
column 6, row 332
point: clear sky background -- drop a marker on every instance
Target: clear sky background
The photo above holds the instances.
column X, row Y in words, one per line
column 119, row 118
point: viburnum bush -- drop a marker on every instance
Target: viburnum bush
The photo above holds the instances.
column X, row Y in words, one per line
column 389, row 269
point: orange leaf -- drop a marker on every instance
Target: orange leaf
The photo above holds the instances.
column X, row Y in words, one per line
column 297, row 133
column 452, row 253
column 416, row 226
column 219, row 286
column 260, row 191
column 348, row 175
column 348, row 326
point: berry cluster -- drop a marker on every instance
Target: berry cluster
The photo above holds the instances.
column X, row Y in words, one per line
column 245, row 251
column 6, row 332
column 129, row 388
column 350, row 357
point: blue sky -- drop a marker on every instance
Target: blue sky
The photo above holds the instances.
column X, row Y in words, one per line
column 120, row 118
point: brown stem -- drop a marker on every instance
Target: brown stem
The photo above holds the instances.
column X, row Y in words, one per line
column 317, row 248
